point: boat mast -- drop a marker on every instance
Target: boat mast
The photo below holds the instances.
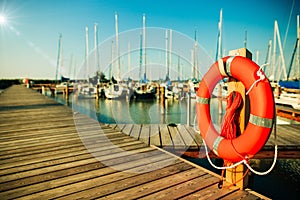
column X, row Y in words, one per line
column 87, row 52
column 295, row 52
column 144, row 46
column 245, row 40
column 141, row 57
column 170, row 53
column 276, row 34
column 220, row 24
column 195, row 74
column 298, row 50
column 117, row 46
column 128, row 54
column 178, row 68
column 111, row 59
column 167, row 55
column 292, row 59
column 268, row 58
column 192, row 65
column 96, row 46
column 58, row 64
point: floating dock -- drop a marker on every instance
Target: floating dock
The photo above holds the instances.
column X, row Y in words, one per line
column 48, row 151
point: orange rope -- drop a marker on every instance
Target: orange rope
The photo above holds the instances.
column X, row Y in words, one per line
column 230, row 127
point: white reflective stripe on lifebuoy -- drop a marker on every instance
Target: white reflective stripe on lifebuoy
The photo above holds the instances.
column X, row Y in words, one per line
column 202, row 100
column 228, row 65
column 221, row 67
column 216, row 144
column 261, row 121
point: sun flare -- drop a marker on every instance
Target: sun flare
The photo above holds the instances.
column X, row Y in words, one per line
column 2, row 19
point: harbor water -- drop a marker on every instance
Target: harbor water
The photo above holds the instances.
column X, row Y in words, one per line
column 281, row 183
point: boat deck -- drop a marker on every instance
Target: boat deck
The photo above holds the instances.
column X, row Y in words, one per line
column 47, row 151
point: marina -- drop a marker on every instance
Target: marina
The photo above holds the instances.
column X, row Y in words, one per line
column 48, row 159
column 147, row 112
column 53, row 142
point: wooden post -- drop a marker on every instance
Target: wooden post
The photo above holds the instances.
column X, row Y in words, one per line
column 162, row 100
column 43, row 90
column 220, row 97
column 67, row 91
column 97, row 92
column 235, row 174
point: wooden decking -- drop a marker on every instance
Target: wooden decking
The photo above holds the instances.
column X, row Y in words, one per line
column 183, row 138
column 47, row 152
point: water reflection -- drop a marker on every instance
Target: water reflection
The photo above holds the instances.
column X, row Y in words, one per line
column 149, row 111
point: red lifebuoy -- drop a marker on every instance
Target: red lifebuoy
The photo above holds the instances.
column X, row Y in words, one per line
column 262, row 107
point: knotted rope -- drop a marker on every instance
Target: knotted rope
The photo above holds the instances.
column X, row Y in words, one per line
column 230, row 127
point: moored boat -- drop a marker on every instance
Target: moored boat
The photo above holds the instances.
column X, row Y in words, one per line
column 115, row 91
column 144, row 91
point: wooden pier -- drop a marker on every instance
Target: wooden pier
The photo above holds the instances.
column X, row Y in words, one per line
column 184, row 139
column 48, row 151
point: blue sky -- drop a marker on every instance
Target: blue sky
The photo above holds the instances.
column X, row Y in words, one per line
column 29, row 40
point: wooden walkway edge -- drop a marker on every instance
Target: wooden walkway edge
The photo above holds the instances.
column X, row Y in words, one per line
column 47, row 151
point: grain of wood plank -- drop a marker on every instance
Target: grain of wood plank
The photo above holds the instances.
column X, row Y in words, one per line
column 135, row 131
column 187, row 138
column 176, row 137
column 155, row 135
column 86, row 188
column 166, row 139
column 105, row 153
column 240, row 195
column 108, row 162
column 134, row 181
column 144, row 135
column 73, row 175
column 127, row 129
column 196, row 136
column 44, row 153
column 184, row 188
column 155, row 185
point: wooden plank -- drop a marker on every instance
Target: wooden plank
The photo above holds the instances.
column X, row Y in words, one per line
column 119, row 127
column 135, row 131
column 145, row 134
column 146, row 185
column 176, row 137
column 88, row 158
column 99, row 185
column 183, row 189
column 240, row 195
column 63, row 153
column 73, row 175
column 196, row 136
column 166, row 139
column 154, row 136
column 127, row 129
column 187, row 138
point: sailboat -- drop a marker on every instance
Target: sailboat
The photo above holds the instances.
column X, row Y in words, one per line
column 221, row 90
column 64, row 81
column 87, row 89
column 293, row 74
column 115, row 90
column 287, row 90
column 144, row 89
